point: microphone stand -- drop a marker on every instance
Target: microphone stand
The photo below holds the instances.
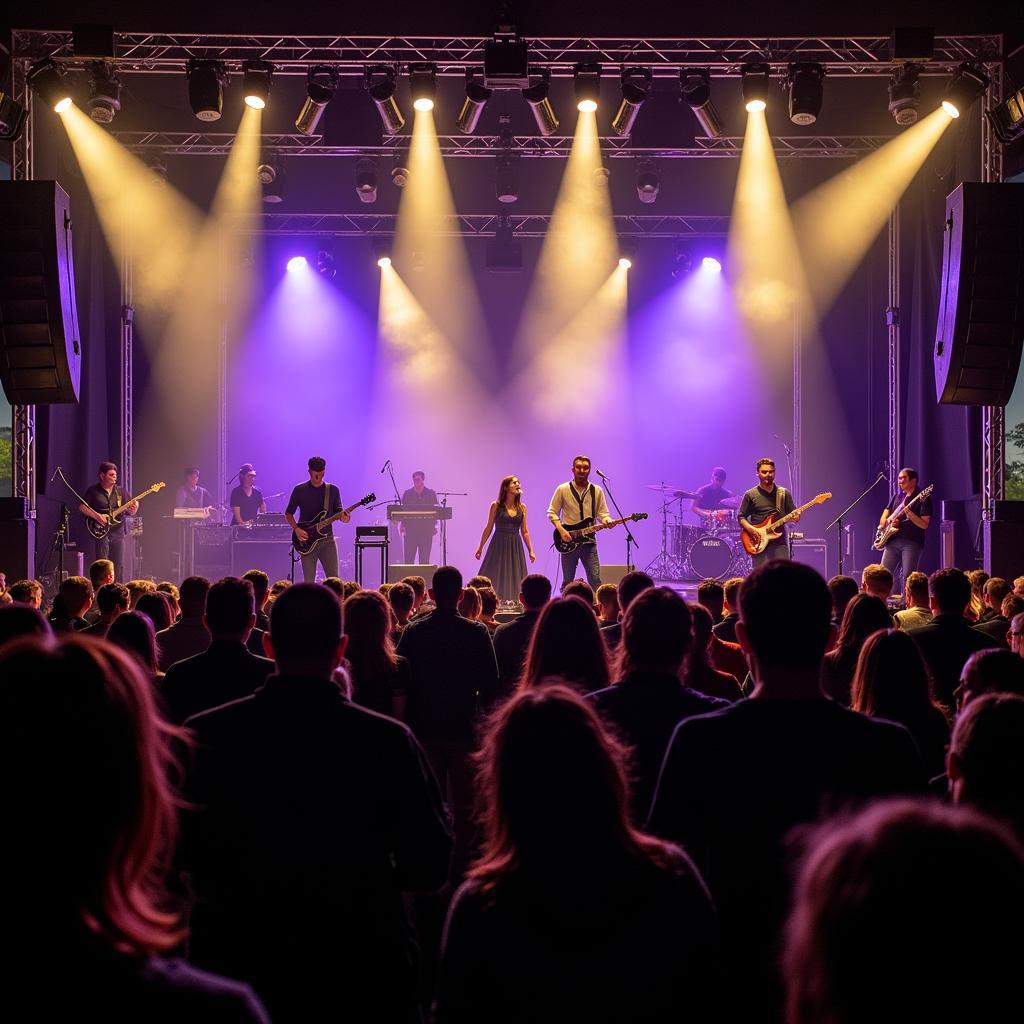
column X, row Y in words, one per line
column 838, row 521
column 630, row 539
column 398, row 497
column 444, row 495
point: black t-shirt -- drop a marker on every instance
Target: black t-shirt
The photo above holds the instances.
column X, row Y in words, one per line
column 98, row 499
column 909, row 530
column 710, row 497
column 248, row 507
column 309, row 500
column 428, row 499
column 757, row 506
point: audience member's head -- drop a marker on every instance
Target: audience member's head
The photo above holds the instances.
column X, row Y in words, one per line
column 91, row 814
column 864, row 615
column 348, row 588
column 711, row 594
column 978, row 578
column 370, row 651
column 260, row 586
column 949, row 592
column 607, row 598
column 535, row 591
column 133, row 631
column 447, row 587
column 993, row 670
column 112, row 600
column 193, row 593
column 336, row 585
column 230, row 609
column 843, row 590
column 882, row 898
column 876, row 580
column 139, row 587
column 401, row 597
column 567, row 643
column 157, row 607
column 385, row 588
column 74, row 598
column 994, row 591
column 917, row 590
column 277, row 588
column 470, row 604
column 479, row 582
column 1018, row 586
column 28, row 592
column 419, row 588
column 488, row 603
column 581, row 589
column 631, row 584
column 731, row 593
column 20, row 620
column 656, row 633
column 173, row 595
column 306, row 631
column 101, row 572
column 1016, row 634
column 1011, row 607
column 703, row 624
column 892, row 679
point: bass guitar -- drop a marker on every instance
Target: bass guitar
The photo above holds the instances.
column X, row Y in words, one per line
column 317, row 528
column 113, row 517
column 771, row 528
column 587, row 528
column 891, row 527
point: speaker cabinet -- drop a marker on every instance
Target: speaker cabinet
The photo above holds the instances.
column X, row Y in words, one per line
column 1004, row 548
column 40, row 347
column 397, row 572
column 614, row 573
column 813, row 552
column 272, row 556
column 980, row 326
column 18, row 549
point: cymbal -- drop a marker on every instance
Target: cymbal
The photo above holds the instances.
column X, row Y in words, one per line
column 733, row 501
column 666, row 489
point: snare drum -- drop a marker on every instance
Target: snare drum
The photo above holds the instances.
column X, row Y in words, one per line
column 722, row 520
column 709, row 557
column 679, row 539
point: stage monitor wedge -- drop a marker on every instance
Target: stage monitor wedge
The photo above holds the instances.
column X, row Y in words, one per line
column 980, row 328
column 40, row 347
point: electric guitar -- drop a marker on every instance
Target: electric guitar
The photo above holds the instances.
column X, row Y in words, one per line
column 586, row 528
column 318, row 526
column 891, row 527
column 112, row 518
column 771, row 528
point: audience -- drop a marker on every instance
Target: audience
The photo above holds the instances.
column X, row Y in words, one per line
column 73, row 600
column 1016, row 633
column 139, row 587
column 512, row 639
column 133, row 631
column 877, row 581
column 488, row 606
column 419, row 588
column 21, row 620
column 336, row 585
column 843, row 589
column 111, row 601
column 189, row 635
column 470, row 605
column 916, row 613
column 711, row 595
column 276, row 590
column 380, row 678
column 261, row 594
column 309, row 816
column 581, row 589
column 479, row 582
column 997, row 624
column 101, row 572
column 173, row 595
column 28, row 592
column 567, row 644
column 992, row 670
column 569, row 913
column 992, row 595
column 607, row 597
column 158, row 607
column 1018, row 586
column 726, row 628
column 631, row 584
column 977, row 578
column 348, row 588
column 908, row 912
column 864, row 615
column 700, row 674
column 402, row 598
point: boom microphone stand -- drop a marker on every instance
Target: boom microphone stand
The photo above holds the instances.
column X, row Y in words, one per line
column 838, row 521
column 630, row 539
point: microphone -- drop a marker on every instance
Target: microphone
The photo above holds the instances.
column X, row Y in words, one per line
column 385, row 466
column 600, row 474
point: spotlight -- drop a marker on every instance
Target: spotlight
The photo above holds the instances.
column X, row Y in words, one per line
column 380, row 81
column 256, row 84
column 588, row 87
column 506, row 177
column 602, row 173
column 382, row 251
column 540, row 106
column 905, row 94
column 419, row 261
column 423, row 85
column 647, row 184
column 966, row 85
column 47, row 79
column 756, row 84
column 157, row 163
column 297, row 264
column 206, row 81
column 628, row 249
column 1007, row 120
column 271, row 177
column 682, row 261
column 366, row 179
column 504, row 251
column 325, row 264
column 636, row 85
column 473, row 105
column 806, row 92
column 695, row 84
column 711, row 265
column 320, row 86
column 104, row 92
column 12, row 117
column 400, row 171
column 506, row 60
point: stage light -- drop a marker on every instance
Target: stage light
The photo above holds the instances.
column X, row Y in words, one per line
column 423, row 85
column 966, row 85
column 380, row 81
column 628, row 249
column 47, row 79
column 473, row 105
column 320, row 86
column 366, row 179
column 756, row 86
column 157, row 163
column 400, row 170
column 540, row 106
column 587, row 83
column 682, row 260
column 636, row 85
column 206, row 81
column 710, row 264
column 506, row 60
column 382, row 251
column 297, row 264
column 104, row 92
column 256, row 83
column 695, row 84
column 325, row 264
column 647, row 184
column 1007, row 120
column 506, row 177
column 504, row 253
column 905, row 94
column 806, row 92
column 602, row 173
column 12, row 117
column 271, row 177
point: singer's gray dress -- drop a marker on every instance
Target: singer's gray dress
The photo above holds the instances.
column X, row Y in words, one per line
column 505, row 559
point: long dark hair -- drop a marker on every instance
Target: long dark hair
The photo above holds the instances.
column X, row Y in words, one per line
column 567, row 642
column 892, row 679
column 133, row 632
column 506, row 483
column 370, row 650
column 864, row 615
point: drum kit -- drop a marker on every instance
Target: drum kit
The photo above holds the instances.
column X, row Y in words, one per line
column 690, row 553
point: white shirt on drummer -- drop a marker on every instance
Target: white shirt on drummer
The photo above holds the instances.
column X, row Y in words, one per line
column 565, row 507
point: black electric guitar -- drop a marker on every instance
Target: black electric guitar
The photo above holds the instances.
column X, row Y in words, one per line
column 580, row 532
column 318, row 527
column 113, row 517
column 885, row 533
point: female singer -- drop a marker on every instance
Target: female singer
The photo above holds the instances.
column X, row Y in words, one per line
column 504, row 562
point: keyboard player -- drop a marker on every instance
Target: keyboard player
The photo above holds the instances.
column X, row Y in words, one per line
column 418, row 538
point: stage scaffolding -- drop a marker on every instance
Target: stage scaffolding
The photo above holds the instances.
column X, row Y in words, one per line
column 845, row 56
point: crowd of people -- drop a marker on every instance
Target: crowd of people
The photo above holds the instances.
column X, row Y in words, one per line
column 789, row 800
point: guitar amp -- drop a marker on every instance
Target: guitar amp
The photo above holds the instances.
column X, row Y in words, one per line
column 812, row 551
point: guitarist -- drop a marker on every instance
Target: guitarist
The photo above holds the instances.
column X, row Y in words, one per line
column 311, row 499
column 102, row 498
column 904, row 549
column 762, row 501
column 574, row 501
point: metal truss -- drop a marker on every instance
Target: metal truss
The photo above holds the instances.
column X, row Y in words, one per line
column 558, row 146
column 158, row 52
column 894, row 349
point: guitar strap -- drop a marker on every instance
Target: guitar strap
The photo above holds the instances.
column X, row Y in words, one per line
column 780, row 499
column 327, row 494
column 580, row 501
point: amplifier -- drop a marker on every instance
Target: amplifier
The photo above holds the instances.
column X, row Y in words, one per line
column 812, row 551
column 371, row 534
column 259, row 552
column 397, row 572
column 212, row 551
column 263, row 533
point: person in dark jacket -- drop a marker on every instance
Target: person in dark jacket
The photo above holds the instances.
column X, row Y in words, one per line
column 311, row 817
column 189, row 634
column 631, row 584
column 512, row 639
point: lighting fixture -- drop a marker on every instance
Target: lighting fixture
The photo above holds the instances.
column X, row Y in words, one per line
column 366, row 179
column 756, row 85
column 602, row 173
column 647, row 184
column 806, row 91
column 1007, row 120
column 504, row 253
column 966, row 85
column 636, row 85
column 12, row 117
column 506, row 60
column 423, row 85
column 400, row 170
column 272, row 179
column 297, row 264
column 382, row 251
column 682, row 260
column 320, row 85
column 587, row 81
column 157, row 163
column 381, row 81
column 47, row 79
column 256, row 83
column 473, row 104
column 695, row 84
column 710, row 264
column 104, row 92
column 206, row 81
column 628, row 249
column 506, row 177
column 543, row 112
column 905, row 94
column 325, row 264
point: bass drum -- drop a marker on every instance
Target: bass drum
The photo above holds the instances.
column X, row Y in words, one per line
column 710, row 557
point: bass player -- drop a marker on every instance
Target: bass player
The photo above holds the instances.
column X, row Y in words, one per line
column 761, row 502
column 904, row 549
column 100, row 500
column 311, row 499
column 572, row 502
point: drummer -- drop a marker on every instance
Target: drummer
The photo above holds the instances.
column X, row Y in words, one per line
column 711, row 503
